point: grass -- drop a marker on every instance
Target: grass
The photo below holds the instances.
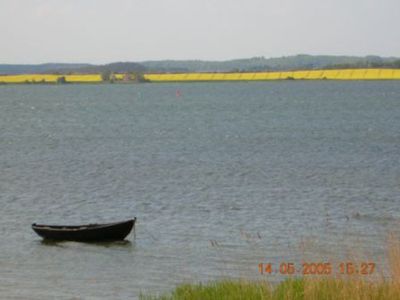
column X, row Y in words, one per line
column 328, row 287
column 290, row 289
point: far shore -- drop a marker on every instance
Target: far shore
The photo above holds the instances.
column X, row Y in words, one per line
column 337, row 74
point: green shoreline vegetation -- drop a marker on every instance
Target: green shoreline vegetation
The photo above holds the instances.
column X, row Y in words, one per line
column 290, row 289
column 376, row 286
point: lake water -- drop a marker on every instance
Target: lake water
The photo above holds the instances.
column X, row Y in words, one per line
column 221, row 178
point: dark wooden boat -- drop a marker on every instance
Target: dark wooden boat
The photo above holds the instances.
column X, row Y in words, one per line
column 86, row 233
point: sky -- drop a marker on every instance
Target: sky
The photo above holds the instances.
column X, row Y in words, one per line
column 103, row 31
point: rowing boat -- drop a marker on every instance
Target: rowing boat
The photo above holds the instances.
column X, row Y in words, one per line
column 86, row 233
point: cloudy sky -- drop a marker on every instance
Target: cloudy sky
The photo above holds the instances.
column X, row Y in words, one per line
column 101, row 31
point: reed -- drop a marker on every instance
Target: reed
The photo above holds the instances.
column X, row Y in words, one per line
column 300, row 288
column 290, row 289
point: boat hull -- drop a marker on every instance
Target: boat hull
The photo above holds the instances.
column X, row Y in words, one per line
column 86, row 233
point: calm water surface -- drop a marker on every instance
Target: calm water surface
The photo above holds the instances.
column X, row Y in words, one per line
column 220, row 176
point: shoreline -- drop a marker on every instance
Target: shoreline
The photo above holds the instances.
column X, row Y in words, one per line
column 306, row 75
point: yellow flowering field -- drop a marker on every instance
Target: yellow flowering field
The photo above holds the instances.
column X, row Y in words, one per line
column 347, row 74
column 49, row 78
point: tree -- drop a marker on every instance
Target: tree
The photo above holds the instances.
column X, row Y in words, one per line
column 105, row 75
column 61, row 80
column 139, row 78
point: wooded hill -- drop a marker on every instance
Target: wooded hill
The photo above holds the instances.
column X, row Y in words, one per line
column 255, row 64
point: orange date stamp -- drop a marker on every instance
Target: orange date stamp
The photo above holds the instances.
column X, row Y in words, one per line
column 317, row 268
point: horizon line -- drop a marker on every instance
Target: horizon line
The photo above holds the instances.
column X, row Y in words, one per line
column 201, row 60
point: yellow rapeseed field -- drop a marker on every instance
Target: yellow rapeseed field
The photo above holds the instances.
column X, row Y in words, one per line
column 28, row 78
column 346, row 74
column 49, row 78
column 83, row 78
